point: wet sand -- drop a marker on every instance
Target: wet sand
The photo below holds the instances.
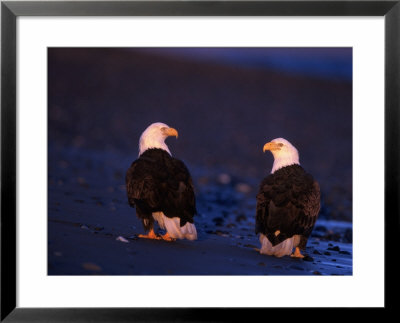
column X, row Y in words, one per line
column 92, row 229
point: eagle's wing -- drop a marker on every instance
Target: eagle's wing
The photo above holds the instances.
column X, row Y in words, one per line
column 263, row 201
column 287, row 205
column 163, row 184
column 141, row 183
column 180, row 199
column 311, row 204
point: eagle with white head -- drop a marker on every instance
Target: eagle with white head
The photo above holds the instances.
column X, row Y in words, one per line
column 288, row 203
column 160, row 187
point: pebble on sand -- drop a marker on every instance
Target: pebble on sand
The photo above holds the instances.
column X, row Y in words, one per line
column 81, row 181
column 63, row 164
column 91, row 266
column 122, row 239
column 243, row 188
column 308, row 258
column 240, row 217
column 224, row 179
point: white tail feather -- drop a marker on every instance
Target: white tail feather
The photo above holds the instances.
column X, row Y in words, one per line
column 188, row 231
column 282, row 249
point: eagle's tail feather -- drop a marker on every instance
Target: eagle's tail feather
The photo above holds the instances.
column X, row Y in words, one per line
column 172, row 225
column 282, row 249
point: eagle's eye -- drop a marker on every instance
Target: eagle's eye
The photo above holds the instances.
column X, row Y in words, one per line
column 280, row 144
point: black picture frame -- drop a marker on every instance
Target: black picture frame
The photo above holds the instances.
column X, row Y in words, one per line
column 11, row 10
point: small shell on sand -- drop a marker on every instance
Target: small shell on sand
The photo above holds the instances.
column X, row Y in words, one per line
column 122, row 239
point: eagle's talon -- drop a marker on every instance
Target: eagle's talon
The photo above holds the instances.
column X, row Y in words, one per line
column 167, row 237
column 150, row 235
column 297, row 253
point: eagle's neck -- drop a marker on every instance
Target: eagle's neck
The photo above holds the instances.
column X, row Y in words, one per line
column 283, row 161
column 150, row 142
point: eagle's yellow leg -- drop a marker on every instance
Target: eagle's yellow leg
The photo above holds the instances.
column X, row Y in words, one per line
column 297, row 253
column 150, row 235
column 167, row 237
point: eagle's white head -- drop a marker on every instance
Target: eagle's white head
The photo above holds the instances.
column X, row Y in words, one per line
column 154, row 137
column 285, row 154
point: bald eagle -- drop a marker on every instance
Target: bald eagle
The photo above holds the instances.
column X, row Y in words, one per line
column 288, row 203
column 160, row 187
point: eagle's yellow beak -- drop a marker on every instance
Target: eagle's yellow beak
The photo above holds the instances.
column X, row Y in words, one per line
column 272, row 146
column 170, row 132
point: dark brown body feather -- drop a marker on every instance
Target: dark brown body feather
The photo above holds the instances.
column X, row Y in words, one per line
column 157, row 182
column 288, row 201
